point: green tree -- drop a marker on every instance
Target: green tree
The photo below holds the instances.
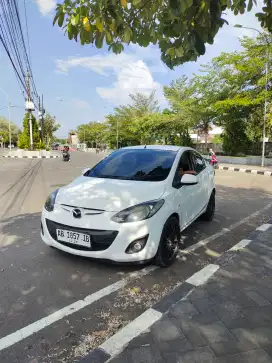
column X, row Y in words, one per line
column 24, row 138
column 50, row 126
column 181, row 28
column 131, row 121
column 4, row 132
column 239, row 81
column 60, row 141
column 217, row 139
column 93, row 134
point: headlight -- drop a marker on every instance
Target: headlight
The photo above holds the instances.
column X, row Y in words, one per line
column 50, row 201
column 138, row 212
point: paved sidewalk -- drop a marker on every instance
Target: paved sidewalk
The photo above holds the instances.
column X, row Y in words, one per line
column 226, row 320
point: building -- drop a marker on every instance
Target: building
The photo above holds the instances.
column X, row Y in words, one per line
column 73, row 138
column 200, row 137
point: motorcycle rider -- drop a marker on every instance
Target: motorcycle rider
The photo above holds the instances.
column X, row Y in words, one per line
column 66, row 153
column 212, row 157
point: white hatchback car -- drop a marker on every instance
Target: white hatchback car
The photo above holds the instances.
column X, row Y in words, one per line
column 131, row 206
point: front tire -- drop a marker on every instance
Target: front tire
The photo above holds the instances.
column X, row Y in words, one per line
column 169, row 243
column 209, row 213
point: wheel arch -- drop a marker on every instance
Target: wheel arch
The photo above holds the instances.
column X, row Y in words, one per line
column 175, row 215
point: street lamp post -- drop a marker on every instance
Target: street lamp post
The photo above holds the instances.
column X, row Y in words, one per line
column 266, row 84
column 9, row 104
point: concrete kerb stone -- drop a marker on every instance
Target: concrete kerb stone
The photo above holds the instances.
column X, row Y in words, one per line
column 31, row 157
column 247, row 171
column 105, row 352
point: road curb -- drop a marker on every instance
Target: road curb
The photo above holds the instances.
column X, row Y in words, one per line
column 247, row 171
column 115, row 344
column 30, row 157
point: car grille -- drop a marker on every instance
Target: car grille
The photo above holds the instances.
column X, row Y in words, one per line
column 101, row 240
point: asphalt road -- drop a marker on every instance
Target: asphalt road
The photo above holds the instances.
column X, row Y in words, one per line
column 38, row 282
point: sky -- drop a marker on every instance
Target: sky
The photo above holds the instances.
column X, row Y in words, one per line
column 82, row 84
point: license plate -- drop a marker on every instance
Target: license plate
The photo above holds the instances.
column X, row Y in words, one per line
column 75, row 238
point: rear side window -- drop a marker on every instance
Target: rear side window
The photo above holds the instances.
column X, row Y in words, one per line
column 199, row 163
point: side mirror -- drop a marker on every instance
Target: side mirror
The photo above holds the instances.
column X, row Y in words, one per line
column 85, row 170
column 189, row 179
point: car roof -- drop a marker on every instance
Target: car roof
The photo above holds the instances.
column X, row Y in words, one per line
column 160, row 147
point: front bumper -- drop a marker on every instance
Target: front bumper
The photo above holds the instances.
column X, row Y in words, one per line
column 109, row 239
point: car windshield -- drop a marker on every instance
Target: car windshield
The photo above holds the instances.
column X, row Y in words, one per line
column 135, row 164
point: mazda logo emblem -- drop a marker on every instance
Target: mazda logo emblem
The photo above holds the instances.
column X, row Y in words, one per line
column 77, row 213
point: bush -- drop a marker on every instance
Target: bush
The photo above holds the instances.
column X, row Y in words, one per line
column 24, row 141
column 39, row 146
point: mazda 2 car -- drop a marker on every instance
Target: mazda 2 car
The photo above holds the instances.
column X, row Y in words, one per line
column 131, row 206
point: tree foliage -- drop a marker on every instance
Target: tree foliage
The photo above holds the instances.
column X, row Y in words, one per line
column 24, row 138
column 4, row 131
column 229, row 92
column 181, row 28
column 93, row 133
column 50, row 126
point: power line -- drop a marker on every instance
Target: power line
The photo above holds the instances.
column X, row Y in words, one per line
column 9, row 35
column 27, row 35
column 12, row 62
column 13, row 40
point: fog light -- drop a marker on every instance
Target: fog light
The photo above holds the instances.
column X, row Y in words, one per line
column 42, row 229
column 137, row 245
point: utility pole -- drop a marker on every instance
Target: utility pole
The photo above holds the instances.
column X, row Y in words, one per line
column 41, row 113
column 29, row 109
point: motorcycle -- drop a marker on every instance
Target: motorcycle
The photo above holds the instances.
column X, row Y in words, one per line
column 65, row 156
column 214, row 162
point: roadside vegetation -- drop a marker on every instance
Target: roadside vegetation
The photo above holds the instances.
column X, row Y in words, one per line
column 228, row 92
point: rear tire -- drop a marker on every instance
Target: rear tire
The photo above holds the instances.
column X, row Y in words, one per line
column 169, row 243
column 209, row 213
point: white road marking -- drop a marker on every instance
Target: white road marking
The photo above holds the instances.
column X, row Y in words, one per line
column 115, row 344
column 264, row 227
column 38, row 325
column 241, row 245
column 209, row 239
column 202, row 276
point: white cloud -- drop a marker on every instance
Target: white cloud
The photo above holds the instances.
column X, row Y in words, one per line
column 101, row 64
column 132, row 69
column 46, row 6
column 80, row 103
column 134, row 77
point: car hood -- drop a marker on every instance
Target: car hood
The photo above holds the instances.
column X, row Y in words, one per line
column 111, row 195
